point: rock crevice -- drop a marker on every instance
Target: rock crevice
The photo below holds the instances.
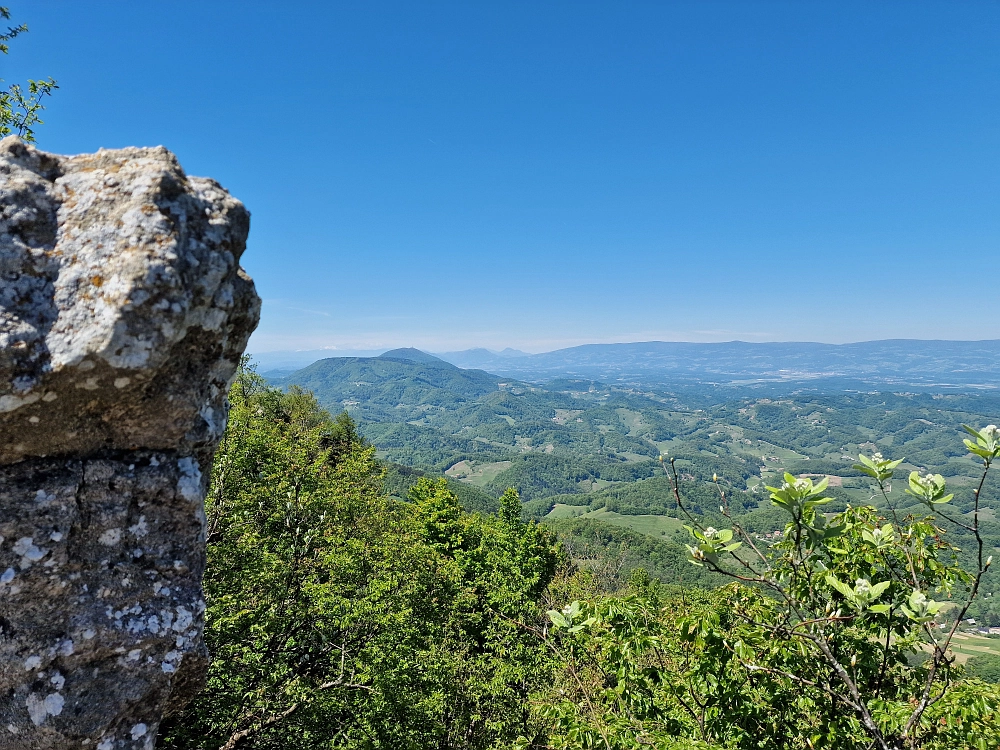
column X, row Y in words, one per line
column 123, row 315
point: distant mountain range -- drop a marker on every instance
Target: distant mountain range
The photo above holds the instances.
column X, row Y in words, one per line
column 483, row 359
column 898, row 363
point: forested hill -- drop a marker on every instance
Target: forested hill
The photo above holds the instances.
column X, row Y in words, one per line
column 431, row 414
column 393, row 385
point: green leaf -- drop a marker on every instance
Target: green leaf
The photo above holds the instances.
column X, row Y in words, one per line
column 840, row 586
column 557, row 618
column 878, row 589
column 866, row 470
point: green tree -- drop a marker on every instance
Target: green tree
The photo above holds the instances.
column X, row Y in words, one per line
column 504, row 566
column 339, row 617
column 20, row 108
column 808, row 650
column 986, row 667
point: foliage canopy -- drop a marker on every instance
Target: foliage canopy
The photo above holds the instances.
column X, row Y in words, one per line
column 342, row 616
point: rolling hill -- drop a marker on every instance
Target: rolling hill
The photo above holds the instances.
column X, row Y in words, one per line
column 586, row 437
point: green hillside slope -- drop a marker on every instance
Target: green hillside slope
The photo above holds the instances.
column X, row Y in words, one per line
column 581, row 448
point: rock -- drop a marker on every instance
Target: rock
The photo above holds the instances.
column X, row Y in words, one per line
column 123, row 315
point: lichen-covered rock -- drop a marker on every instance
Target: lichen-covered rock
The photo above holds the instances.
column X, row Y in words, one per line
column 123, row 314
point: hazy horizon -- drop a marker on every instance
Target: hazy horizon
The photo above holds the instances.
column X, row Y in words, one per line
column 356, row 351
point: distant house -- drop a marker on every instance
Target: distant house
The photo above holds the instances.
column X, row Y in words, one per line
column 994, row 631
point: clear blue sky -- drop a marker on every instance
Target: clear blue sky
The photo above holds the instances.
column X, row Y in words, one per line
column 542, row 174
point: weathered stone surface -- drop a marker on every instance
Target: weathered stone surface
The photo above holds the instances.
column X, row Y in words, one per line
column 123, row 314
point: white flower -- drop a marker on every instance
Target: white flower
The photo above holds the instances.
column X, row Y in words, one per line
column 928, row 480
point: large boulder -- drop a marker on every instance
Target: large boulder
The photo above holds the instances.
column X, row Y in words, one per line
column 123, row 316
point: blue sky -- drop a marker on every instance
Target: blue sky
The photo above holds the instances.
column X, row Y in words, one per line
column 542, row 174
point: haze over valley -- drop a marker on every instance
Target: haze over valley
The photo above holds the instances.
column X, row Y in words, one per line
column 892, row 363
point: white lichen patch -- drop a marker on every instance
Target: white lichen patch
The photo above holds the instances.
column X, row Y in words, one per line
column 40, row 708
column 29, row 551
column 11, row 402
column 189, row 484
column 183, row 621
column 110, row 537
column 140, row 529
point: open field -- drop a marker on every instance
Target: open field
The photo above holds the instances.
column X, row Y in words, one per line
column 648, row 524
column 476, row 473
column 567, row 511
column 967, row 645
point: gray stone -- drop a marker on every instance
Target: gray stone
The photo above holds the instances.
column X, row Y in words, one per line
column 123, row 315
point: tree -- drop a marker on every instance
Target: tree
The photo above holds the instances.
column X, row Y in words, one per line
column 339, row 617
column 985, row 666
column 504, row 567
column 303, row 590
column 808, row 649
column 20, row 108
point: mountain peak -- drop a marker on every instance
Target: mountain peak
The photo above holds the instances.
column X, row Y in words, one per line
column 411, row 354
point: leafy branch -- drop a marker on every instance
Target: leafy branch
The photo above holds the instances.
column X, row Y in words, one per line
column 20, row 108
